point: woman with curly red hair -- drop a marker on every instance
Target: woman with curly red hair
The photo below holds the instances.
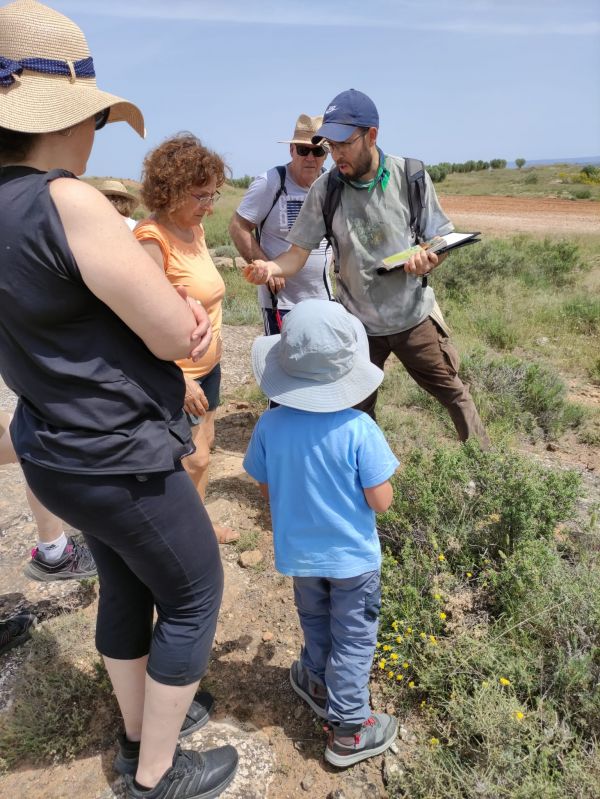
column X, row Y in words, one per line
column 180, row 185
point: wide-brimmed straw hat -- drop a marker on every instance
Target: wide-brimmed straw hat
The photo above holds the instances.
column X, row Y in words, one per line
column 320, row 361
column 47, row 78
column 114, row 188
column 305, row 129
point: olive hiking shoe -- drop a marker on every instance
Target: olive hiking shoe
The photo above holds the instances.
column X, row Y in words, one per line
column 75, row 564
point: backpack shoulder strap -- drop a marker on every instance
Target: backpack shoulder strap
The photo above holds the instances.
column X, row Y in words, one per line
column 333, row 193
column 415, row 178
column 281, row 171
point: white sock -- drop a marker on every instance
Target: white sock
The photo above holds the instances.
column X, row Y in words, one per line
column 53, row 550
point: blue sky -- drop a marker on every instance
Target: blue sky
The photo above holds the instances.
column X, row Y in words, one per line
column 452, row 80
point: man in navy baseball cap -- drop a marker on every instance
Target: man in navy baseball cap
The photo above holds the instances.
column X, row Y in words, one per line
column 346, row 112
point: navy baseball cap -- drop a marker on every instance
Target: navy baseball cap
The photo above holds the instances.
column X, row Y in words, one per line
column 349, row 110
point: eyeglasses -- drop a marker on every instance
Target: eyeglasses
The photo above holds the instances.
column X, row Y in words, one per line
column 207, row 199
column 344, row 145
column 304, row 150
column 101, row 118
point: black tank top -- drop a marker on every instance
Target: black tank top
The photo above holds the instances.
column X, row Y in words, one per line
column 92, row 397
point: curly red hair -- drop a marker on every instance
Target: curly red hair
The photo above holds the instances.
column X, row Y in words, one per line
column 172, row 168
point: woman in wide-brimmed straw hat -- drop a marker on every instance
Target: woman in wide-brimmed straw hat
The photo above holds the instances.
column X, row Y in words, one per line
column 89, row 330
column 119, row 198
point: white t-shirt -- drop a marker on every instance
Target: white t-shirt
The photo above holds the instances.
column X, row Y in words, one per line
column 309, row 282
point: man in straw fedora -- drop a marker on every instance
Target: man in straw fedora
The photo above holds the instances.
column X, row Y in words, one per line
column 120, row 198
column 260, row 226
column 89, row 330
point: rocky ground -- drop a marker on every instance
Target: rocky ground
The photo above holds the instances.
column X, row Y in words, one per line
column 279, row 740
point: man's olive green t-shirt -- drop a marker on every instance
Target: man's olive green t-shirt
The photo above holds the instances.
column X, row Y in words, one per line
column 368, row 226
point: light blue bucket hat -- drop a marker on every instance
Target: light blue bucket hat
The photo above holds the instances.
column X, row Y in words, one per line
column 320, row 361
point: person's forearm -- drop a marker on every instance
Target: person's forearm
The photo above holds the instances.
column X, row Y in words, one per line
column 289, row 262
column 246, row 244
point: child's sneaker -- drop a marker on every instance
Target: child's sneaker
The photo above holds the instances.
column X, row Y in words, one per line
column 314, row 694
column 126, row 761
column 194, row 775
column 349, row 745
column 76, row 563
column 15, row 630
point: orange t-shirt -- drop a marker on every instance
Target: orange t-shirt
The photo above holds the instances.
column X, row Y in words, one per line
column 190, row 265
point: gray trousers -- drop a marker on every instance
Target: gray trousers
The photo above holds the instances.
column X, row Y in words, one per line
column 339, row 619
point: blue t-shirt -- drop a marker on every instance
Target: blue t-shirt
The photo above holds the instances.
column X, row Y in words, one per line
column 316, row 466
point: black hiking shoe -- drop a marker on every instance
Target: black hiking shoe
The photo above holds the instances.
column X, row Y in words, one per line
column 314, row 694
column 75, row 564
column 349, row 745
column 15, row 630
column 126, row 761
column 194, row 775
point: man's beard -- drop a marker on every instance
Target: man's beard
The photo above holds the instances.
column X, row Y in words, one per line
column 363, row 164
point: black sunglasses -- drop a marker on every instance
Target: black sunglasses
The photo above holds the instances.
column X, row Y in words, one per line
column 304, row 150
column 101, row 118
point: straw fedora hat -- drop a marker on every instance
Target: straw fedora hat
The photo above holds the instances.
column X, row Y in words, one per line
column 47, row 78
column 115, row 188
column 305, row 129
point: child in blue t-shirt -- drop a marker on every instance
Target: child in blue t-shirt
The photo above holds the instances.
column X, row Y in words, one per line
column 325, row 469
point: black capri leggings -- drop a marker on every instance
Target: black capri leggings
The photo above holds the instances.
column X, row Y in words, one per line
column 155, row 547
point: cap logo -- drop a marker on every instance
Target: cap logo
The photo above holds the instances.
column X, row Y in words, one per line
column 331, row 109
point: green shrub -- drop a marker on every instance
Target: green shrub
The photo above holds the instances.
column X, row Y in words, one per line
column 530, row 179
column 490, row 629
column 522, row 394
column 582, row 314
column 581, row 194
column 497, row 331
column 240, row 305
column 544, row 264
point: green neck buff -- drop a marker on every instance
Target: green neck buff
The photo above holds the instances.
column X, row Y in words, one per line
column 382, row 176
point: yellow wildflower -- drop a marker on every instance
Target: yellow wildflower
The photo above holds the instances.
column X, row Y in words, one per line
column 405, row 665
column 386, row 647
column 437, row 597
column 432, row 640
column 399, row 639
column 399, row 677
column 494, row 517
column 442, row 615
column 394, row 656
column 504, row 681
column 409, row 630
column 411, row 684
column 395, row 625
column 382, row 663
column 441, row 558
column 390, row 674
column 434, row 741
column 423, row 703
column 485, row 684
column 378, row 644
column 422, row 635
column 469, row 574
column 519, row 715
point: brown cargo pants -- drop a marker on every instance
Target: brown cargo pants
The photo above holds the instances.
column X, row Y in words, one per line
column 429, row 358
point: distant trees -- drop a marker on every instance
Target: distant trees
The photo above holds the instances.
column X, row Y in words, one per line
column 240, row 183
column 520, row 162
column 498, row 163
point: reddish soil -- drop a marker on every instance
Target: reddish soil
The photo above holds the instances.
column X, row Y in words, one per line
column 535, row 215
